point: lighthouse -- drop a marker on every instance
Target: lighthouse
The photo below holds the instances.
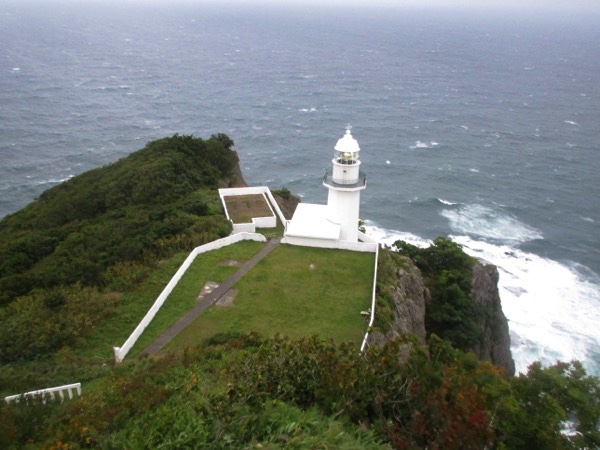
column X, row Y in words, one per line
column 334, row 225
column 344, row 184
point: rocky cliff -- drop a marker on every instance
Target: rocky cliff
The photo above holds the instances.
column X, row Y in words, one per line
column 494, row 344
column 404, row 298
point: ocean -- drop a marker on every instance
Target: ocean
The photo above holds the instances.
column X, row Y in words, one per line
column 480, row 124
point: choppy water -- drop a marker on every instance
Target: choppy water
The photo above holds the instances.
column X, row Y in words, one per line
column 483, row 126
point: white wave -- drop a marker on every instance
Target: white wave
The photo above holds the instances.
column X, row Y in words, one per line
column 552, row 309
column 387, row 161
column 464, row 127
column 308, row 110
column 570, row 122
column 474, row 170
column 420, row 144
column 55, row 180
column 477, row 220
column 388, row 237
column 446, row 202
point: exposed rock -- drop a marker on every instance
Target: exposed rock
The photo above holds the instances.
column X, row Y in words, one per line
column 236, row 179
column 287, row 203
column 410, row 296
column 495, row 342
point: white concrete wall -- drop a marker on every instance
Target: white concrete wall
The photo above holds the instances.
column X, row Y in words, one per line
column 121, row 352
column 67, row 390
column 310, row 242
column 243, row 228
column 364, row 238
column 275, row 206
column 265, row 222
column 373, row 301
column 260, row 222
column 368, row 247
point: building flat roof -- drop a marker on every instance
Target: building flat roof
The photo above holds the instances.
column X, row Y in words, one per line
column 311, row 221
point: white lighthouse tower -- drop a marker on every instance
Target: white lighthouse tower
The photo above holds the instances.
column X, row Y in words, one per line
column 345, row 183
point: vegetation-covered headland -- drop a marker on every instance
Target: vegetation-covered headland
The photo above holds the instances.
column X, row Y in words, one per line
column 79, row 266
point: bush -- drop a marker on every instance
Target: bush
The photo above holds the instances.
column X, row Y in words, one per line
column 447, row 271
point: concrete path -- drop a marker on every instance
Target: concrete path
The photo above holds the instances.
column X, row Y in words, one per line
column 208, row 300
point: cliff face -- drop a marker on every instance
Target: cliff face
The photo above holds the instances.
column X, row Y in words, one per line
column 410, row 299
column 494, row 345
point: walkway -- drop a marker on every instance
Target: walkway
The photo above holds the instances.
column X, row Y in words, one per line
column 209, row 300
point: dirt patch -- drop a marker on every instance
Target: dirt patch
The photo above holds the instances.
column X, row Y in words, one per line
column 242, row 208
column 230, row 263
column 227, row 298
column 207, row 289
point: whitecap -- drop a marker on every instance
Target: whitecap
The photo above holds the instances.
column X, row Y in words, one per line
column 55, row 180
column 420, row 144
column 387, row 161
column 570, row 122
column 587, row 219
column 464, row 127
column 474, row 170
column 478, row 220
column 446, row 202
column 388, row 237
column 16, row 69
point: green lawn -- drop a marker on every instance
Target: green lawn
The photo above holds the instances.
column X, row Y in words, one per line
column 296, row 291
column 210, row 266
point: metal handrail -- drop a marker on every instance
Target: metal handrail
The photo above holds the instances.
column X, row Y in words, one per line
column 361, row 181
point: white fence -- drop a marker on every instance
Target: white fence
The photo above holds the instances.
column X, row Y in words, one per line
column 121, row 352
column 373, row 299
column 68, row 390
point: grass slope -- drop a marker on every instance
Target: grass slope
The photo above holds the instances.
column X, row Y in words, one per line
column 210, row 266
column 296, row 291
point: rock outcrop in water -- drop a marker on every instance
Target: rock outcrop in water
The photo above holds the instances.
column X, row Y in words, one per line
column 495, row 341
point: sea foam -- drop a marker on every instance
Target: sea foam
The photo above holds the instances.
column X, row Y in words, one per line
column 552, row 308
column 481, row 221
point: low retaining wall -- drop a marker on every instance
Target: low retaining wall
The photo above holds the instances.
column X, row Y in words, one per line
column 367, row 247
column 260, row 222
column 121, row 352
column 49, row 393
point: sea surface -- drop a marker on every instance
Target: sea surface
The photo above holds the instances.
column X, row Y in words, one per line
column 479, row 124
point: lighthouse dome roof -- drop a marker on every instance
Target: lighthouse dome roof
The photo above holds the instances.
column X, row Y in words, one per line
column 347, row 143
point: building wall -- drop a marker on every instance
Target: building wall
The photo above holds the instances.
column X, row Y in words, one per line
column 344, row 208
